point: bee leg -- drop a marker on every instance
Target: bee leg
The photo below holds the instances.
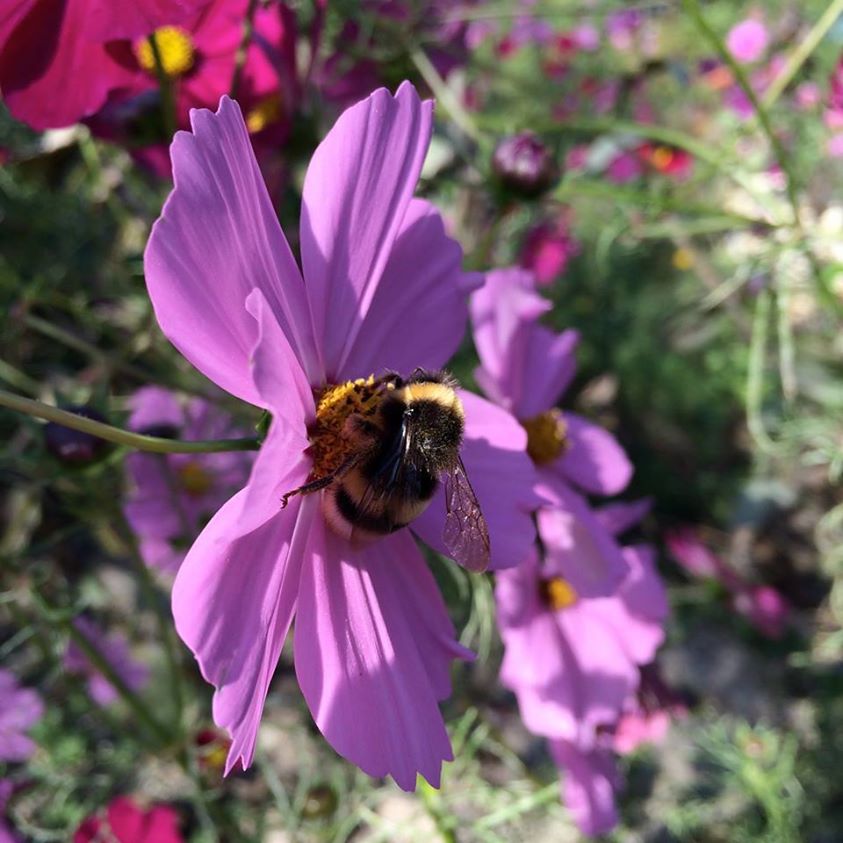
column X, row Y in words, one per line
column 360, row 430
column 320, row 482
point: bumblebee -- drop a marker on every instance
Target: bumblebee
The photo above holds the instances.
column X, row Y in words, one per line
column 397, row 443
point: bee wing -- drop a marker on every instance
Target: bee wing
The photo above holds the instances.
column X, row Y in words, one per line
column 466, row 533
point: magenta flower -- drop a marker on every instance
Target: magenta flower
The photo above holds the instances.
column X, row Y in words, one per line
column 525, row 367
column 747, row 40
column 44, row 43
column 124, row 821
column 380, row 288
column 115, row 648
column 7, row 834
column 764, row 607
column 172, row 497
column 590, row 780
column 548, row 247
column 20, row 709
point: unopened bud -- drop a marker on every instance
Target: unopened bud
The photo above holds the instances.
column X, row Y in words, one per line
column 73, row 446
column 523, row 164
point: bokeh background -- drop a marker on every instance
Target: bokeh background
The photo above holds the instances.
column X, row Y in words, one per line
column 694, row 237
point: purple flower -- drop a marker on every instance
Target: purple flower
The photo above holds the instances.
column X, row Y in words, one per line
column 20, row 709
column 380, row 288
column 590, row 781
column 524, row 164
column 764, row 607
column 115, row 648
column 747, row 40
column 525, row 367
column 174, row 496
column 7, row 835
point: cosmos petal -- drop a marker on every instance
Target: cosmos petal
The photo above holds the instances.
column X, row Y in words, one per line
column 108, row 21
column 217, row 239
column 359, row 662
column 550, row 366
column 578, row 546
column 419, row 310
column 502, row 476
column 233, row 602
column 356, row 193
column 594, row 461
column 589, row 785
column 621, row 516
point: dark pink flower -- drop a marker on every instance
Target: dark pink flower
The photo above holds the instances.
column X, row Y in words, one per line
column 172, row 497
column 525, row 367
column 115, row 648
column 747, row 40
column 20, row 709
column 624, row 168
column 124, row 821
column 380, row 288
column 667, row 160
column 547, row 249
column 590, row 780
column 764, row 607
column 45, row 43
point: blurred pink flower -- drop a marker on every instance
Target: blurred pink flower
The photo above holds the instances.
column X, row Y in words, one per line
column 835, row 146
column 20, row 709
column 590, row 780
column 525, row 367
column 173, row 496
column 670, row 161
column 381, row 287
column 624, row 168
column 44, row 43
column 764, row 607
column 571, row 660
column 124, row 821
column 115, row 649
column 7, row 834
column 747, row 40
column 622, row 26
column 547, row 249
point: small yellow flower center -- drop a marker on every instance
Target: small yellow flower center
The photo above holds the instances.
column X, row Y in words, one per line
column 330, row 444
column 546, row 436
column 558, row 593
column 682, row 259
column 661, row 157
column 175, row 48
column 265, row 113
column 194, row 479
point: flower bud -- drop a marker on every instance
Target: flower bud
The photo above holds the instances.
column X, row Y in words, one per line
column 74, row 447
column 523, row 164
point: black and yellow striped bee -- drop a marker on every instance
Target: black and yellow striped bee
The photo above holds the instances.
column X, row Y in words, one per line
column 399, row 448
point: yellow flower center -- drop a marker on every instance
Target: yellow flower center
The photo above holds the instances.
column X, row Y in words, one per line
column 682, row 259
column 175, row 48
column 265, row 113
column 194, row 479
column 661, row 157
column 330, row 444
column 558, row 593
column 546, row 436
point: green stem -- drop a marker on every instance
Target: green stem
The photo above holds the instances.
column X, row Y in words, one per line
column 755, row 374
column 168, row 101
column 444, row 95
column 137, row 441
column 802, row 52
column 779, row 152
column 243, row 48
column 547, row 794
column 432, row 802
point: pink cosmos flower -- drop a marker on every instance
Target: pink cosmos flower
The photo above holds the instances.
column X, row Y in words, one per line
column 380, row 288
column 20, row 709
column 624, row 168
column 44, row 43
column 547, row 249
column 525, row 368
column 747, row 40
column 590, row 780
column 7, row 834
column 173, row 496
column 124, row 821
column 764, row 607
column 115, row 648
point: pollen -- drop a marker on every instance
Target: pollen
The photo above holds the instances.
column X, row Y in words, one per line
column 547, row 436
column 662, row 157
column 265, row 113
column 175, row 48
column 194, row 479
column 330, row 445
column 558, row 593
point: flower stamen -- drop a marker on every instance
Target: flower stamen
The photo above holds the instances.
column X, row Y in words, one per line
column 558, row 593
column 547, row 436
column 268, row 111
column 194, row 479
column 175, row 48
